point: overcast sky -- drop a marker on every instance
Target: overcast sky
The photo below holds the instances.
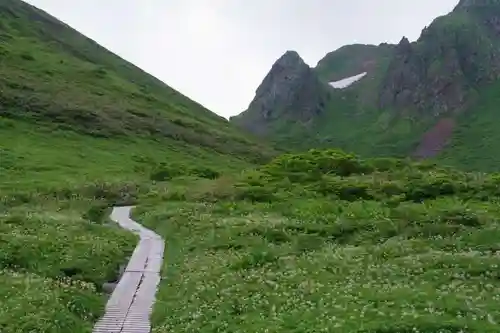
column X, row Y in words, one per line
column 218, row 51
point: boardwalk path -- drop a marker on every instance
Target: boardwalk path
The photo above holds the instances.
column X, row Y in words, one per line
column 131, row 303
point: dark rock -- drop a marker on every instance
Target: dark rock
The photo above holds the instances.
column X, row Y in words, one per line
column 290, row 90
column 437, row 73
column 109, row 287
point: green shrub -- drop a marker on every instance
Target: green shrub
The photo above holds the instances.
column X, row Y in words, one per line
column 204, row 172
column 431, row 186
column 387, row 164
column 113, row 193
column 344, row 176
column 165, row 172
column 256, row 193
column 27, row 56
column 97, row 212
column 344, row 188
column 99, row 72
column 315, row 163
column 255, row 259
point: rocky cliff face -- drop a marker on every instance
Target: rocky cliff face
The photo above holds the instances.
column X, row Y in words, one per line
column 486, row 12
column 475, row 4
column 290, row 90
column 352, row 60
column 415, row 82
column 437, row 73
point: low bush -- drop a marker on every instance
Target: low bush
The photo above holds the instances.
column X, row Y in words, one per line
column 165, row 172
column 343, row 176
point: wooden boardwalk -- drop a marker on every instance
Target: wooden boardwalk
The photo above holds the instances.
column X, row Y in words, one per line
column 129, row 308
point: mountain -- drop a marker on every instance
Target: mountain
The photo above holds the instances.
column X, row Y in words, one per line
column 291, row 91
column 432, row 98
column 82, row 129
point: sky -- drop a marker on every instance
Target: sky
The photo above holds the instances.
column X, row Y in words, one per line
column 218, row 51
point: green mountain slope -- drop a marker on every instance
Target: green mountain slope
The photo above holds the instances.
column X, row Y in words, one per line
column 82, row 129
column 52, row 75
column 417, row 99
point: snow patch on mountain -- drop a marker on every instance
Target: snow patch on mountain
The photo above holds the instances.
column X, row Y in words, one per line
column 346, row 82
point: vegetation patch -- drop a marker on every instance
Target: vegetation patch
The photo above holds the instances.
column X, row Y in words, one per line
column 343, row 244
column 55, row 258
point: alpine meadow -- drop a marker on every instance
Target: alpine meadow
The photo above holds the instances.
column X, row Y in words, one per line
column 371, row 206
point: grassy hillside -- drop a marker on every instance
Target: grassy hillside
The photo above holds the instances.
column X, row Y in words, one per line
column 54, row 76
column 327, row 242
column 475, row 141
column 81, row 130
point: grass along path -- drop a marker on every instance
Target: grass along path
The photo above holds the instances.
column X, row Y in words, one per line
column 56, row 255
column 58, row 248
column 325, row 242
column 261, row 268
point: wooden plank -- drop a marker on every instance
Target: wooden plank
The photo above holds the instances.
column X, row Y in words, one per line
column 129, row 308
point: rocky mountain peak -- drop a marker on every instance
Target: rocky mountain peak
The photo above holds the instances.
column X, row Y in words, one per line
column 403, row 45
column 404, row 42
column 477, row 3
column 289, row 67
column 291, row 89
column 453, row 56
column 403, row 48
column 290, row 59
column 486, row 12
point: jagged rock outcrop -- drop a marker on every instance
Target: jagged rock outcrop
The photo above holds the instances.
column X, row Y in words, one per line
column 465, row 4
column 417, row 80
column 437, row 73
column 291, row 89
column 486, row 11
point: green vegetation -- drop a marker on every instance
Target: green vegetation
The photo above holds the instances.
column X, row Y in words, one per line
column 328, row 242
column 312, row 242
column 57, row 247
column 377, row 132
column 53, row 263
column 474, row 145
column 81, row 130
column 47, row 159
